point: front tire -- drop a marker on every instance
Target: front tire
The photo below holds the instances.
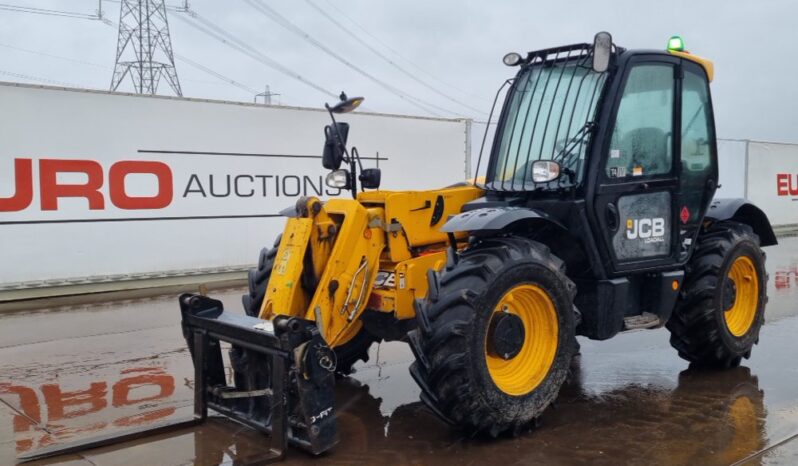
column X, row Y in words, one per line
column 473, row 374
column 721, row 308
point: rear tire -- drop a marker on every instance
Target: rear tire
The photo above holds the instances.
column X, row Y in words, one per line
column 347, row 354
column 462, row 377
column 721, row 308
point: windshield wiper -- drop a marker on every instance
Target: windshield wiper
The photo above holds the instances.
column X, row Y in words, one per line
column 574, row 142
column 566, row 155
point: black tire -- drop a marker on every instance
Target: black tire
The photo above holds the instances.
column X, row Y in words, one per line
column 347, row 354
column 449, row 343
column 698, row 327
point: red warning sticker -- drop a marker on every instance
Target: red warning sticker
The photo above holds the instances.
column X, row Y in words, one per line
column 684, row 215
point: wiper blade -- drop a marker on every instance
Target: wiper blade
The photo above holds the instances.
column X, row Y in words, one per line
column 574, row 142
column 567, row 154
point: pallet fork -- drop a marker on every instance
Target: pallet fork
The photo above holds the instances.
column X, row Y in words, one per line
column 285, row 365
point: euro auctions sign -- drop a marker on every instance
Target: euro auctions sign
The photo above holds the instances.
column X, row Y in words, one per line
column 79, row 186
column 94, row 184
column 787, row 184
column 772, row 180
column 51, row 189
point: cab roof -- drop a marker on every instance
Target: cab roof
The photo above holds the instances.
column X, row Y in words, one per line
column 566, row 52
column 705, row 63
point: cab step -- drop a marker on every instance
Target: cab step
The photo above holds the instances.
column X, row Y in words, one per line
column 642, row 321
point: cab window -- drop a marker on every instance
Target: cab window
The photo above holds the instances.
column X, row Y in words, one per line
column 641, row 143
column 696, row 146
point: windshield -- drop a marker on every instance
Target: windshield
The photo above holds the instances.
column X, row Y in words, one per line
column 551, row 107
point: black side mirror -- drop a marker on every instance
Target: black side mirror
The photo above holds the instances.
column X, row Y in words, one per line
column 333, row 153
column 602, row 51
column 370, row 178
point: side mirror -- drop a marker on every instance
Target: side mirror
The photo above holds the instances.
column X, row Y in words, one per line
column 346, row 104
column 370, row 178
column 602, row 51
column 333, row 153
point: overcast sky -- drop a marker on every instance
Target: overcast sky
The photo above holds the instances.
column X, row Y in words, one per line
column 452, row 46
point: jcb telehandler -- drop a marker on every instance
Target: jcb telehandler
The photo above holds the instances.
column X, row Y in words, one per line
column 595, row 215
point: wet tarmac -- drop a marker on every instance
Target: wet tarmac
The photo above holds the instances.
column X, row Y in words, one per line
column 78, row 372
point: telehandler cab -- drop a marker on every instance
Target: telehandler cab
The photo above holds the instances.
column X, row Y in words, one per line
column 595, row 215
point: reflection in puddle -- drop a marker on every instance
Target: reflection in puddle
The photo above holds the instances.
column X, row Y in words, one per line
column 709, row 418
column 52, row 413
column 786, row 278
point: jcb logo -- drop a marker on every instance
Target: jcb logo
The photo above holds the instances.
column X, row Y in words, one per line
column 649, row 229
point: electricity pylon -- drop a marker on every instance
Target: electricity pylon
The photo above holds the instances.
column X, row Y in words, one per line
column 144, row 48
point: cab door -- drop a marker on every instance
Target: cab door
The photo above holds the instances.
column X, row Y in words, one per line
column 698, row 156
column 637, row 186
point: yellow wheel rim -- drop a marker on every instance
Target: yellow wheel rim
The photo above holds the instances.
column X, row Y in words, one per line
column 747, row 437
column 741, row 315
column 524, row 372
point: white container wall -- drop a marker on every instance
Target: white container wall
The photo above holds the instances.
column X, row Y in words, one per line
column 773, row 180
column 96, row 184
column 731, row 168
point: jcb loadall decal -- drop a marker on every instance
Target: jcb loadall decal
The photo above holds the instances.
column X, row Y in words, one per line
column 646, row 231
column 650, row 230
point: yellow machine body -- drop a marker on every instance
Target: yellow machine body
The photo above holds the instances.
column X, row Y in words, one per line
column 340, row 257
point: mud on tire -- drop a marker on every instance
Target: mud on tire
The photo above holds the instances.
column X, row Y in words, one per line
column 347, row 354
column 450, row 341
column 699, row 331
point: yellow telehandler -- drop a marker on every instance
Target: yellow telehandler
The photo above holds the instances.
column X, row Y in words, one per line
column 595, row 215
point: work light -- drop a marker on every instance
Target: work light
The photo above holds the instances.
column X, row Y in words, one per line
column 512, row 59
column 544, row 171
column 338, row 179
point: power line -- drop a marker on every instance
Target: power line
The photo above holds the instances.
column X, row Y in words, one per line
column 45, row 11
column 392, row 50
column 286, row 24
column 182, row 9
column 224, row 36
column 215, row 74
column 39, row 79
column 207, row 70
column 21, row 9
column 389, row 60
column 45, row 54
column 203, row 68
column 220, row 34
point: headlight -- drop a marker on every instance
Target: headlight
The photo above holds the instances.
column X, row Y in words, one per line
column 512, row 59
column 338, row 179
column 544, row 171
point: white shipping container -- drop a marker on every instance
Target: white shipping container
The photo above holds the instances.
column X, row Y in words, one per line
column 731, row 168
column 772, row 180
column 94, row 184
